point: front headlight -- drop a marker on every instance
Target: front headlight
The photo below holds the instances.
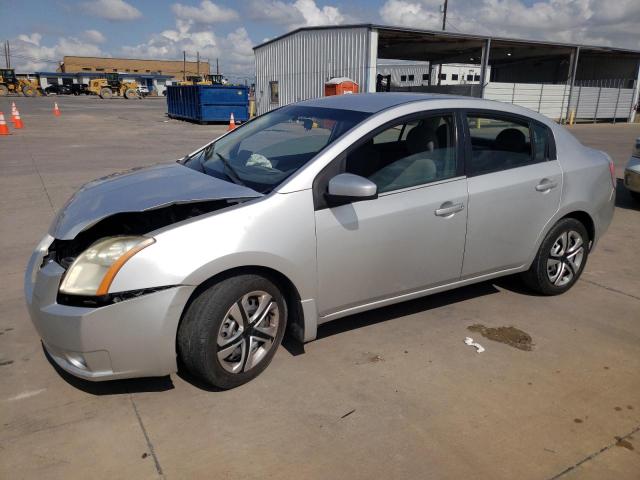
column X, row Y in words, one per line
column 636, row 150
column 95, row 268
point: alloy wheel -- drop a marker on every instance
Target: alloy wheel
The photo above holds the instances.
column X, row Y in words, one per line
column 565, row 258
column 247, row 332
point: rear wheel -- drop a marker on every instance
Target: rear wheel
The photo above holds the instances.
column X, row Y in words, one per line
column 635, row 195
column 561, row 258
column 106, row 93
column 4, row 91
column 231, row 331
column 28, row 91
column 130, row 93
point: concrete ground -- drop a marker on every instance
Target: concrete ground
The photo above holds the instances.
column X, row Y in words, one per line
column 392, row 393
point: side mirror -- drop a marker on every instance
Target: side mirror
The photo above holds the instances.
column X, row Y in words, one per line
column 347, row 187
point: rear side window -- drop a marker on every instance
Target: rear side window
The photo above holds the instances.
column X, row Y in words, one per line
column 498, row 144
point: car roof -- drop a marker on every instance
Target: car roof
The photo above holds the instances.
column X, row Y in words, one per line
column 376, row 102
column 372, row 102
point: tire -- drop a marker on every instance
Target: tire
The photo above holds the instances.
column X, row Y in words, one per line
column 217, row 314
column 130, row 94
column 561, row 258
column 106, row 93
column 4, row 91
column 634, row 195
column 28, row 91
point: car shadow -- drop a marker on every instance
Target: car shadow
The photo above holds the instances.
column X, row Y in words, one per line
column 623, row 197
column 113, row 387
column 393, row 312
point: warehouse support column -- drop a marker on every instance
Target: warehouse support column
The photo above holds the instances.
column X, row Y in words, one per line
column 484, row 64
column 573, row 68
column 371, row 69
column 636, row 97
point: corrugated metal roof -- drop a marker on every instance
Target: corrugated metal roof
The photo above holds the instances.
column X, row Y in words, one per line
column 445, row 34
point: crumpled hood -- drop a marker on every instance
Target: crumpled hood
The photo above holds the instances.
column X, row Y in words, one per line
column 138, row 190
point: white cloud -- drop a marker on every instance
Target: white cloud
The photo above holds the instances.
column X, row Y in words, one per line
column 207, row 12
column 116, row 10
column 234, row 49
column 410, row 14
column 29, row 55
column 94, row 36
column 574, row 21
column 301, row 13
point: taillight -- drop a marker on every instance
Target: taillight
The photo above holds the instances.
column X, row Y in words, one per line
column 612, row 171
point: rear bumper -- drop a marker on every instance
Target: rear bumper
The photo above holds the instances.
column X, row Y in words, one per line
column 133, row 338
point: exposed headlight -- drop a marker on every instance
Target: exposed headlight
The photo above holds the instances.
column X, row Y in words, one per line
column 95, row 268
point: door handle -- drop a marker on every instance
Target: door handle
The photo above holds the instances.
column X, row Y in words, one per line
column 448, row 209
column 545, row 185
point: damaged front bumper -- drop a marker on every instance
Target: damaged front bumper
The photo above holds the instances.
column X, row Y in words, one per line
column 132, row 338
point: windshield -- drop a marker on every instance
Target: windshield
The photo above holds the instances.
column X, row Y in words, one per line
column 269, row 149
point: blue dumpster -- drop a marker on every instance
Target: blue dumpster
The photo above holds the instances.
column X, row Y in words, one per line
column 208, row 103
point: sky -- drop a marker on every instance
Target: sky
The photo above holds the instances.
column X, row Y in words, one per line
column 40, row 32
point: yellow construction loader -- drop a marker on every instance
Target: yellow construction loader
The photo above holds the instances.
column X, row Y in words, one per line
column 9, row 83
column 112, row 86
column 202, row 80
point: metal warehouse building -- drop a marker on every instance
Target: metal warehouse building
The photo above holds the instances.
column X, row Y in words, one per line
column 591, row 83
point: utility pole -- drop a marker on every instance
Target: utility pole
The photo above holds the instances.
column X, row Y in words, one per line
column 217, row 67
column 184, row 65
column 7, row 54
column 444, row 15
column 198, row 61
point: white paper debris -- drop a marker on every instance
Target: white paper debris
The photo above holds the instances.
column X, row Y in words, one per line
column 469, row 341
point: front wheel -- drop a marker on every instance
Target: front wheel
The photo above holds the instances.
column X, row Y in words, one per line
column 561, row 258
column 106, row 93
column 130, row 94
column 28, row 91
column 231, row 331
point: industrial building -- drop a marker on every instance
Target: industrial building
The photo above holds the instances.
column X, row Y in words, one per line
column 557, row 79
column 420, row 74
column 173, row 68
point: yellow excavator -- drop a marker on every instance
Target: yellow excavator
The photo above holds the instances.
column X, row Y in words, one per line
column 9, row 83
column 112, row 86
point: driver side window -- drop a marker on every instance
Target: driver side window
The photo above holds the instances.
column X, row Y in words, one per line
column 407, row 154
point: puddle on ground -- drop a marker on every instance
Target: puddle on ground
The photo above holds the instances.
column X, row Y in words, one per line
column 508, row 335
column 577, row 420
column 621, row 442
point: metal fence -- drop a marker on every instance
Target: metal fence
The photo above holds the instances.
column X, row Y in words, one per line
column 599, row 103
column 547, row 99
column 587, row 103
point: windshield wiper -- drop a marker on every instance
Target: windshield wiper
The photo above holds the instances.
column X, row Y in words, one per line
column 230, row 171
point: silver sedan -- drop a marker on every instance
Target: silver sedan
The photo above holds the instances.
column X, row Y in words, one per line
column 309, row 213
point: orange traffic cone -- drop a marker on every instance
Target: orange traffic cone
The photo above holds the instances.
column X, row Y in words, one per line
column 13, row 112
column 17, row 122
column 56, row 110
column 232, row 123
column 4, row 130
